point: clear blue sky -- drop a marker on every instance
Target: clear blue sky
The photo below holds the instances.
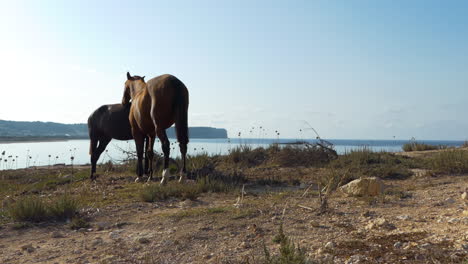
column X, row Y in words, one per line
column 352, row 69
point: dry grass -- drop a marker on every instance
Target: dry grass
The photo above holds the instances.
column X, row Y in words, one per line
column 415, row 146
column 36, row 209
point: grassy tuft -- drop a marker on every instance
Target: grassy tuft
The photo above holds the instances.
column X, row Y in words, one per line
column 35, row 209
column 364, row 162
column 289, row 253
column 450, row 161
column 415, row 146
column 30, row 209
column 64, row 208
column 155, row 192
column 78, row 223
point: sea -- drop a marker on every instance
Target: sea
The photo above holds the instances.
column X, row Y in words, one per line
column 18, row 155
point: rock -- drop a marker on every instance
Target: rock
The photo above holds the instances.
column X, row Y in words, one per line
column 453, row 220
column 244, row 245
column 97, row 241
column 329, row 246
column 354, row 259
column 57, row 234
column 464, row 197
column 380, row 223
column 403, row 217
column 142, row 240
column 102, row 225
column 363, row 187
column 29, row 248
column 398, row 244
column 115, row 234
column 425, row 246
column 449, row 201
column 67, row 176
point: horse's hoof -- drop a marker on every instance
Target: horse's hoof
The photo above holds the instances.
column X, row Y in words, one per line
column 183, row 177
column 149, row 179
column 163, row 181
column 138, row 179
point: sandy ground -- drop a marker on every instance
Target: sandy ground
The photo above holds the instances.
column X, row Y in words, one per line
column 418, row 220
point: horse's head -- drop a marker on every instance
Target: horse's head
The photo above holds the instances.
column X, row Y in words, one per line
column 133, row 86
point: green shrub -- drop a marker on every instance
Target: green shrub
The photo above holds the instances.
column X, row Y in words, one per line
column 245, row 155
column 450, row 161
column 31, row 209
column 415, row 146
column 289, row 253
column 364, row 162
column 78, row 222
column 35, row 209
column 63, row 208
column 155, row 192
column 307, row 155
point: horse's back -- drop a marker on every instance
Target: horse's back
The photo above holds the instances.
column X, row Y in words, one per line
column 111, row 121
column 164, row 91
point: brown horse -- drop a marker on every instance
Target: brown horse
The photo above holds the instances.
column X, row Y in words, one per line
column 156, row 106
column 104, row 124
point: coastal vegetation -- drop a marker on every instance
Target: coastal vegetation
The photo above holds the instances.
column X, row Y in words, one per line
column 279, row 204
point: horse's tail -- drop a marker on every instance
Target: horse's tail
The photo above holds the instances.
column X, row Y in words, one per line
column 92, row 137
column 181, row 112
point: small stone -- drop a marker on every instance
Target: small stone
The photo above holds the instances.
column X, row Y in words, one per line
column 115, row 234
column 449, row 201
column 464, row 196
column 355, row 259
column 319, row 252
column 453, row 221
column 143, row 240
column 425, row 246
column 97, row 241
column 398, row 244
column 329, row 246
column 78, row 252
column 380, row 223
column 366, row 214
column 102, row 225
column 403, row 217
column 244, row 245
column 57, row 234
column 29, row 248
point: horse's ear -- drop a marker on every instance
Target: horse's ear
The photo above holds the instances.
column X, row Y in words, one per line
column 128, row 76
column 143, row 78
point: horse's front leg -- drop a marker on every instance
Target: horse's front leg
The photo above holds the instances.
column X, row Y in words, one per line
column 139, row 143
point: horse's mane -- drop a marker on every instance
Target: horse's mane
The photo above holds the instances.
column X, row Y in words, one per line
column 136, row 78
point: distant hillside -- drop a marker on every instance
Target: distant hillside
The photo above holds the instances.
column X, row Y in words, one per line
column 20, row 129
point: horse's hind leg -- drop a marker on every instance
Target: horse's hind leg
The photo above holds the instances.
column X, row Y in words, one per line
column 165, row 148
column 183, row 152
column 92, row 151
column 146, row 164
column 103, row 142
column 149, row 156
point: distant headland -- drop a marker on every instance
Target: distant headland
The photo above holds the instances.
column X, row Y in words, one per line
column 18, row 131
